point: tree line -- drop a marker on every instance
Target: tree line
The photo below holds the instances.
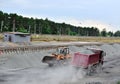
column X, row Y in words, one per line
column 17, row 23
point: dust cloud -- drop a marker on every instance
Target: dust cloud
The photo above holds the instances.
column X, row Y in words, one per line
column 27, row 68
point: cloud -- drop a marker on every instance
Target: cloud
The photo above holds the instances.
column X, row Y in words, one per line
column 22, row 3
column 34, row 16
column 16, row 4
column 47, row 4
column 89, row 23
column 98, row 24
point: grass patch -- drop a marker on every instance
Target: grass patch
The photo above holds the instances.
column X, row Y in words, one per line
column 118, row 82
column 74, row 38
column 47, row 38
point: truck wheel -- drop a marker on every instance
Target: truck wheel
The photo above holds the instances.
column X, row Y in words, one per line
column 89, row 70
column 99, row 68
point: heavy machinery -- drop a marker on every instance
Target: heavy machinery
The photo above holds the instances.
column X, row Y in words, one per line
column 60, row 57
column 90, row 61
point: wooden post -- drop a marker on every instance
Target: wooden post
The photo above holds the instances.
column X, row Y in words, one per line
column 35, row 28
column 2, row 22
column 14, row 25
column 29, row 28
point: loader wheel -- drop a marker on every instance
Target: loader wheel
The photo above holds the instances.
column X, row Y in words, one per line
column 50, row 65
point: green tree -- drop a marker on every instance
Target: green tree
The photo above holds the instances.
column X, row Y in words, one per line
column 117, row 34
column 12, row 21
column 110, row 33
column 104, row 33
column 23, row 30
column 46, row 27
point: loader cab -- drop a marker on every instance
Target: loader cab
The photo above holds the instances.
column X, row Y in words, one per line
column 63, row 50
column 66, row 51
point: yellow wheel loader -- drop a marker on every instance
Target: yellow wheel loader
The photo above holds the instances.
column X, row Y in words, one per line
column 60, row 57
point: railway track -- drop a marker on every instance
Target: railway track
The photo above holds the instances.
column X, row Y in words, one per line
column 47, row 46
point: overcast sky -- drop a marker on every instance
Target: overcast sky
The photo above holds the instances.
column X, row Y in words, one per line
column 97, row 13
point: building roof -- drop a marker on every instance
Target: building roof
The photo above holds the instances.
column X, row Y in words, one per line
column 18, row 33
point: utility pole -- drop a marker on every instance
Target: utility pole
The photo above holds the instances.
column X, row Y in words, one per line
column 40, row 29
column 2, row 22
column 60, row 30
column 35, row 28
column 29, row 28
column 14, row 25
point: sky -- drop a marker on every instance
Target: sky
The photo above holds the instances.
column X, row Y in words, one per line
column 86, row 13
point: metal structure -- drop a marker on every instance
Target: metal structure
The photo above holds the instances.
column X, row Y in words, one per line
column 16, row 37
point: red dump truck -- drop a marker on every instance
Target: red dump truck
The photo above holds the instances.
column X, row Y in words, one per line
column 91, row 60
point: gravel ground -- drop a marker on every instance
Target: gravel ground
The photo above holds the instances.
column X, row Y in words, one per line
column 27, row 68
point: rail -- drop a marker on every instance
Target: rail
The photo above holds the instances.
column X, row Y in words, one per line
column 39, row 47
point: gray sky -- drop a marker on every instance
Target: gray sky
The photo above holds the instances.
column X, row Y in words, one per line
column 97, row 13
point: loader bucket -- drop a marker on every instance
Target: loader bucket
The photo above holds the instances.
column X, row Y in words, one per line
column 49, row 60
